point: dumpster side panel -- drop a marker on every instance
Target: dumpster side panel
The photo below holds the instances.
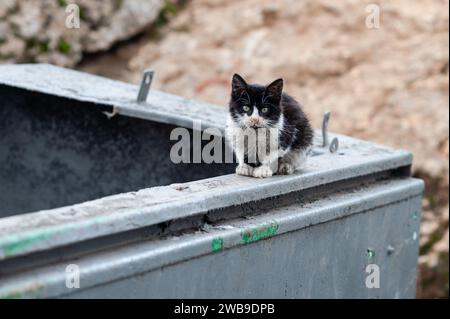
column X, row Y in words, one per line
column 328, row 260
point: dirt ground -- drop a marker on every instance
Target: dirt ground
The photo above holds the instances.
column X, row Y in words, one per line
column 387, row 84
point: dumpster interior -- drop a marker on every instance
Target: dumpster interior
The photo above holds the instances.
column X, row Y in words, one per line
column 56, row 152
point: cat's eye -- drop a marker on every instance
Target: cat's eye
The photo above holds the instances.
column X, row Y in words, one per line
column 265, row 110
column 246, row 108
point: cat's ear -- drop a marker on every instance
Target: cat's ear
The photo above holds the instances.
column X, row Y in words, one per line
column 275, row 89
column 238, row 85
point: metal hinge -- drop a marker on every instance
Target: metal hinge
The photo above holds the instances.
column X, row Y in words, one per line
column 146, row 83
column 334, row 145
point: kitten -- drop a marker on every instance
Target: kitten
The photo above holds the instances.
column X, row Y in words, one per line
column 278, row 133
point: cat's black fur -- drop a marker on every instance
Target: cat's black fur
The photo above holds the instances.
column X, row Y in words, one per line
column 297, row 132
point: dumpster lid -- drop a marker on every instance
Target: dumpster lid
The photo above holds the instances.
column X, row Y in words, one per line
column 47, row 229
column 160, row 107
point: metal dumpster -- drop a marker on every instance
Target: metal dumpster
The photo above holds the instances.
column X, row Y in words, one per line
column 92, row 206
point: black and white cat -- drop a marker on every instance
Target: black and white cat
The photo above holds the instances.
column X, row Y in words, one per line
column 277, row 124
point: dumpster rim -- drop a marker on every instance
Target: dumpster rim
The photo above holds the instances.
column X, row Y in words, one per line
column 51, row 284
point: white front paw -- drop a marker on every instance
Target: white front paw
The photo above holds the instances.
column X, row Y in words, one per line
column 262, row 171
column 286, row 169
column 244, row 169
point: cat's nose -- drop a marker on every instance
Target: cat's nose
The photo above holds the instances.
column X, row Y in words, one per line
column 254, row 120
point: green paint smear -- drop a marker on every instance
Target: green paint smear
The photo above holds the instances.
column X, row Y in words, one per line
column 18, row 243
column 260, row 232
column 216, row 244
column 14, row 295
column 21, row 244
column 370, row 254
column 31, row 292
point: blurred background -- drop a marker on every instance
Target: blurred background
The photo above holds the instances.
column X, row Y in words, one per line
column 385, row 80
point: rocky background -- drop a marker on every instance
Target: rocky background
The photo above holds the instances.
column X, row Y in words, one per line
column 388, row 84
column 35, row 30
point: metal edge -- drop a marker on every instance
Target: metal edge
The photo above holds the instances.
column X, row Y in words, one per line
column 151, row 255
column 67, row 83
column 208, row 194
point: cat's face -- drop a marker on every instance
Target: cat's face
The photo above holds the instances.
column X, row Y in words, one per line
column 255, row 106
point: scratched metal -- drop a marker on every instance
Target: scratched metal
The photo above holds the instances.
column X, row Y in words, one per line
column 318, row 250
column 390, row 203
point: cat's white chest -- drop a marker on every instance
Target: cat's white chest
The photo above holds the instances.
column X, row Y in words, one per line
column 256, row 145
